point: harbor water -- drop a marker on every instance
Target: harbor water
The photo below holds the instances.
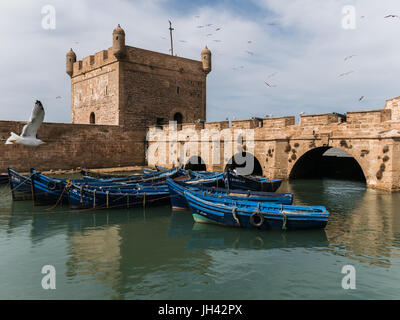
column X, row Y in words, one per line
column 157, row 253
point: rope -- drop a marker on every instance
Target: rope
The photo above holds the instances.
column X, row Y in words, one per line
column 67, row 186
column 235, row 216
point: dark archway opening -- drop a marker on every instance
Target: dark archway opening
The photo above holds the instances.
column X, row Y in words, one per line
column 195, row 163
column 178, row 117
column 92, row 118
column 321, row 163
column 245, row 164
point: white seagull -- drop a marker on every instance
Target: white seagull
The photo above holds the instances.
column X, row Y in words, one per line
column 28, row 135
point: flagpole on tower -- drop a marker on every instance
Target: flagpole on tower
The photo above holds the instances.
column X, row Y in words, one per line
column 170, row 33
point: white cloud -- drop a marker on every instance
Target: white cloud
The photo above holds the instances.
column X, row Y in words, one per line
column 306, row 49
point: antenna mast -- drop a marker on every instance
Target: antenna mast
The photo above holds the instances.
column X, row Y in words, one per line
column 170, row 33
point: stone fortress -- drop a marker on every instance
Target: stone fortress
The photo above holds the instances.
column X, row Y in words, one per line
column 121, row 94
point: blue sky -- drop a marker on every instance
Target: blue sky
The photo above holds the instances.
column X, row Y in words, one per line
column 297, row 46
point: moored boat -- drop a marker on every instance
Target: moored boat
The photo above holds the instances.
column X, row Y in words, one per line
column 81, row 197
column 178, row 200
column 20, row 185
column 253, row 183
column 253, row 214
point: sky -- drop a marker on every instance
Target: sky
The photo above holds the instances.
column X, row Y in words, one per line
column 269, row 57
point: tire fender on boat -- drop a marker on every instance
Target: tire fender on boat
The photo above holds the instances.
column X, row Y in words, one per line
column 51, row 185
column 259, row 215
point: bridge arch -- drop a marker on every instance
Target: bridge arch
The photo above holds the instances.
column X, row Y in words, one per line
column 317, row 163
column 249, row 161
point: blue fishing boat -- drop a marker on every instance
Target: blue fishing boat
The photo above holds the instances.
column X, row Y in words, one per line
column 253, row 214
column 178, row 200
column 47, row 190
column 145, row 178
column 253, row 183
column 81, row 197
column 20, row 185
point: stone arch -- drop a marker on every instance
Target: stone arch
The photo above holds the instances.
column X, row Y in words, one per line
column 250, row 160
column 312, row 164
column 195, row 163
column 178, row 117
column 174, row 112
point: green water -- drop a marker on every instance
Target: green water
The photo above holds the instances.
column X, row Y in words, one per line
column 155, row 253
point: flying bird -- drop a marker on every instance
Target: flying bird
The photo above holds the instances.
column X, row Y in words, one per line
column 345, row 74
column 349, row 57
column 209, row 25
column 362, row 97
column 28, row 135
column 249, row 41
column 392, row 16
column 270, row 85
column 217, row 29
column 200, row 26
column 58, row 97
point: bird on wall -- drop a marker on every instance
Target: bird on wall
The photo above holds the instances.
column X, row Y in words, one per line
column 28, row 135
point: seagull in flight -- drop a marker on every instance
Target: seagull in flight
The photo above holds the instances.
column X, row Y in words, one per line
column 28, row 135
column 217, row 29
column 270, row 85
column 362, row 97
column 349, row 57
column 345, row 74
column 392, row 16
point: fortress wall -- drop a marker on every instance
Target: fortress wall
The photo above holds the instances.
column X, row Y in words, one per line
column 95, row 91
column 69, row 146
column 369, row 117
column 318, row 119
column 155, row 86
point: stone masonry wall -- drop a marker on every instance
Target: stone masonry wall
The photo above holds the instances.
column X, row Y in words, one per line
column 372, row 138
column 156, row 86
column 69, row 146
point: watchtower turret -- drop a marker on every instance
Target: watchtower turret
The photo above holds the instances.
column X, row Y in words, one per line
column 206, row 59
column 70, row 59
column 119, row 42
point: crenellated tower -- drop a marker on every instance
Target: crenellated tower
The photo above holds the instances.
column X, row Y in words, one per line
column 137, row 88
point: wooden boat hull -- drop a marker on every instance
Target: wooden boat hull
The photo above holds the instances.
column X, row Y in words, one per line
column 81, row 197
column 233, row 181
column 20, row 185
column 274, row 216
column 178, row 199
